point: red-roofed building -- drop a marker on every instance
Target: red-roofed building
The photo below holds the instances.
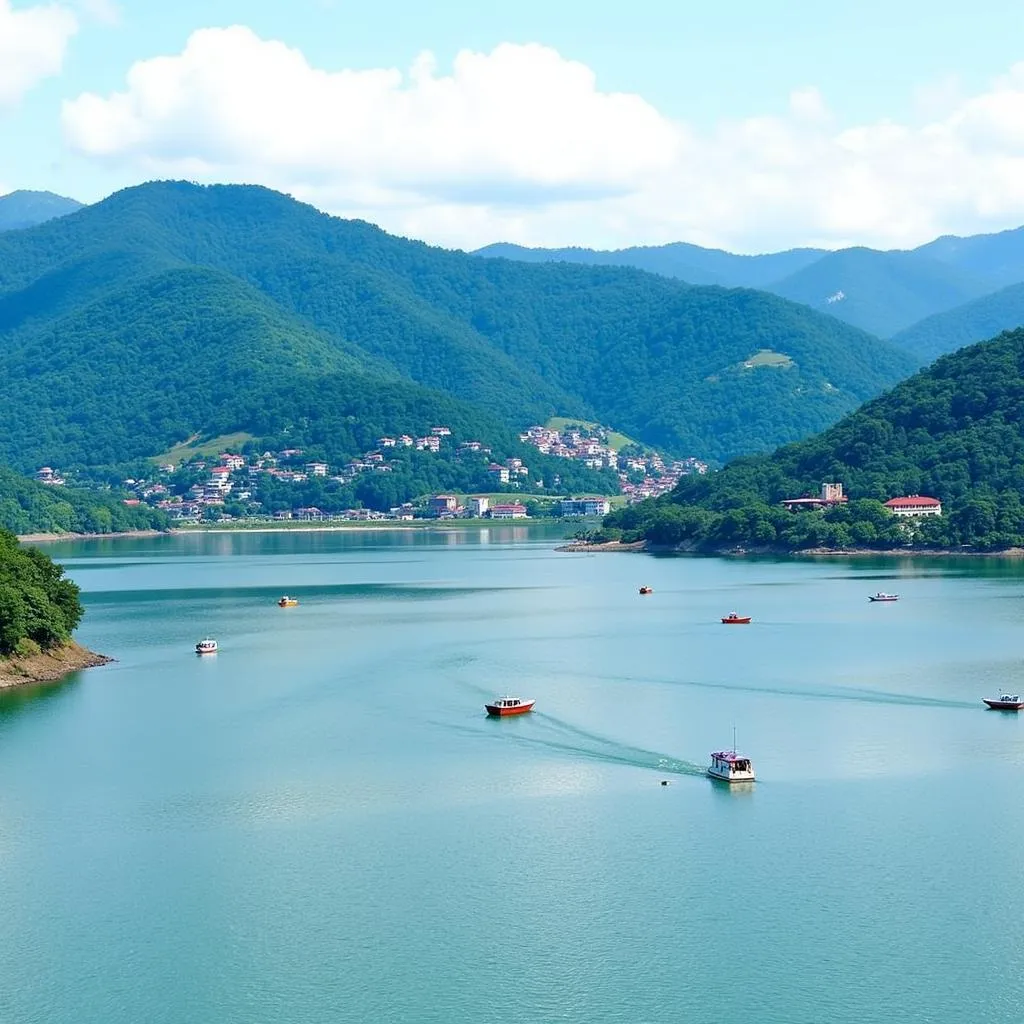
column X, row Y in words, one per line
column 914, row 505
column 511, row 511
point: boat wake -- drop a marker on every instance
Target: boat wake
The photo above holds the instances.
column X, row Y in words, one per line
column 539, row 729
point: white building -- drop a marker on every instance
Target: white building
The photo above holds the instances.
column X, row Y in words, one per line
column 914, row 505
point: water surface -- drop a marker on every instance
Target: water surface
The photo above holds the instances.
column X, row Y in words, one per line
column 320, row 824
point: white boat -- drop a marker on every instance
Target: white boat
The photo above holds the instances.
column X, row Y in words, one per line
column 207, row 646
column 729, row 766
column 883, row 596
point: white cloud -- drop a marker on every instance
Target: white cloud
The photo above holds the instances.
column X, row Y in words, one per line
column 32, row 45
column 521, row 144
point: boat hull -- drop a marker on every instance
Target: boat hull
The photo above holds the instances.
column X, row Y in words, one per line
column 883, row 600
column 1004, row 705
column 502, row 712
column 739, row 620
column 198, row 651
column 731, row 778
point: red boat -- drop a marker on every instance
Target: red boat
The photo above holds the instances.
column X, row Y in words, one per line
column 502, row 706
column 732, row 619
column 1005, row 702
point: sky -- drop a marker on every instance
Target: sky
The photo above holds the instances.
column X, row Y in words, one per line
column 737, row 124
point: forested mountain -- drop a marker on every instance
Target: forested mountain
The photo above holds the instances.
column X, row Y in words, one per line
column 691, row 263
column 974, row 321
column 24, row 208
column 881, row 292
column 172, row 309
column 30, row 507
column 996, row 258
column 955, row 432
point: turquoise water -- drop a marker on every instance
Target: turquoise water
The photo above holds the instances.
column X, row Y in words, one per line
column 320, row 824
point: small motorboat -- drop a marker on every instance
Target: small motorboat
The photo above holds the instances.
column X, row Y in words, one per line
column 646, row 590
column 500, row 707
column 1004, row 702
column 287, row 602
column 732, row 619
column 729, row 766
column 207, row 646
column 882, row 596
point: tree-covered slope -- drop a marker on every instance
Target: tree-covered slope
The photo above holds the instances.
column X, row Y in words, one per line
column 954, row 431
column 881, row 292
column 289, row 293
column 30, row 507
column 973, row 321
column 39, row 606
column 691, row 263
column 25, row 208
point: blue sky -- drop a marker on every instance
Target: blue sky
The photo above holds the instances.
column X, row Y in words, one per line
column 747, row 125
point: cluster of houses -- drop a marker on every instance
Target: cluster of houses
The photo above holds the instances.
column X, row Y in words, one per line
column 447, row 506
column 832, row 494
column 641, row 476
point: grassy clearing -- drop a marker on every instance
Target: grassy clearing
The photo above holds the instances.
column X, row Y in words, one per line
column 766, row 357
column 196, row 446
column 616, row 440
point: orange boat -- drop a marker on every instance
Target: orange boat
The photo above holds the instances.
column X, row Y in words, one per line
column 732, row 619
column 287, row 602
column 500, row 707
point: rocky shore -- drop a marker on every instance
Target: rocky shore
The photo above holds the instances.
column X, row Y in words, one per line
column 48, row 666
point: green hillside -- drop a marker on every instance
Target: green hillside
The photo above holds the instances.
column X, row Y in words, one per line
column 30, row 507
column 973, row 321
column 954, row 431
column 24, row 208
column 173, row 309
column 881, row 292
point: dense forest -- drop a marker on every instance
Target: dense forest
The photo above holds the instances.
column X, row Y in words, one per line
column 30, row 507
column 172, row 309
column 954, row 432
column 39, row 606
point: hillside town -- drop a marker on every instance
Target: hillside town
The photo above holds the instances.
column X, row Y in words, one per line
column 214, row 482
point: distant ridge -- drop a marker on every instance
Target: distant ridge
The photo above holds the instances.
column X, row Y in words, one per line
column 900, row 294
column 25, row 208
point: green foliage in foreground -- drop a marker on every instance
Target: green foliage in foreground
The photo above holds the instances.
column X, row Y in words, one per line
column 39, row 607
column 954, row 431
column 30, row 507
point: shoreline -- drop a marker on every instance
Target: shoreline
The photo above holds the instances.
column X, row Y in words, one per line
column 357, row 527
column 48, row 666
column 645, row 547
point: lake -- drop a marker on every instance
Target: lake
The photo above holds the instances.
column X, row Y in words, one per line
column 320, row 823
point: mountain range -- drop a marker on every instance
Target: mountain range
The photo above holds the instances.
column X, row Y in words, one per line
column 903, row 294
column 25, row 208
column 172, row 309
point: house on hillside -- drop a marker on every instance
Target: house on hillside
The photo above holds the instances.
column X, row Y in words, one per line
column 831, row 494
column 914, row 505
column 584, row 506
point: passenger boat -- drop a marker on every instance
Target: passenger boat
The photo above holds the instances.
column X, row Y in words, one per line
column 732, row 619
column 882, row 596
column 502, row 706
column 207, row 646
column 646, row 590
column 729, row 766
column 1005, row 702
column 287, row 602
